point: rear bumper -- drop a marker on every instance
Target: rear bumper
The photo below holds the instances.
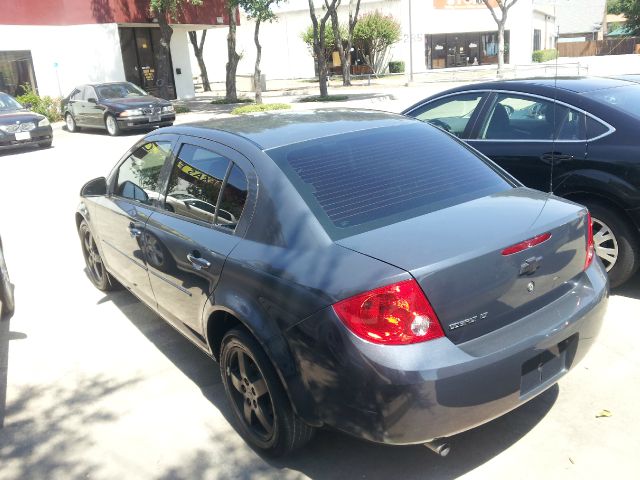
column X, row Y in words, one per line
column 38, row 135
column 134, row 123
column 415, row 393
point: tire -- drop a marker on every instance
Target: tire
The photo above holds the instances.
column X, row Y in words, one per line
column 611, row 231
column 7, row 306
column 111, row 124
column 95, row 265
column 46, row 144
column 284, row 431
column 72, row 126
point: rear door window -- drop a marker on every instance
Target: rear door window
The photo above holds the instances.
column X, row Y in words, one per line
column 450, row 113
column 358, row 181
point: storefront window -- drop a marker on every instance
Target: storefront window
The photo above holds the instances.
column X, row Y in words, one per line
column 16, row 70
column 464, row 49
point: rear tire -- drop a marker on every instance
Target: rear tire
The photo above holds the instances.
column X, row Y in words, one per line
column 111, row 124
column 261, row 408
column 616, row 243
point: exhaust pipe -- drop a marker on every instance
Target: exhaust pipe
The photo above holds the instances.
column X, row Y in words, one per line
column 439, row 446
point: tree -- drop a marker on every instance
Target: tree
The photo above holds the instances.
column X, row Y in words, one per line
column 259, row 11
column 504, row 6
column 373, row 34
column 630, row 9
column 197, row 50
column 345, row 51
column 329, row 41
column 164, row 11
column 319, row 46
column 232, row 56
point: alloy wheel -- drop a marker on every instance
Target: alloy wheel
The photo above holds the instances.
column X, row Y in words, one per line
column 112, row 128
column 250, row 395
column 71, row 124
column 92, row 258
column 605, row 243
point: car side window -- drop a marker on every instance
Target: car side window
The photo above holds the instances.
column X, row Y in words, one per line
column 234, row 196
column 138, row 176
column 451, row 113
column 524, row 118
column 89, row 92
column 595, row 128
column 75, row 95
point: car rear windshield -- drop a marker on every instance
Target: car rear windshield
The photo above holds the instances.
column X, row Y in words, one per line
column 367, row 179
column 626, row 99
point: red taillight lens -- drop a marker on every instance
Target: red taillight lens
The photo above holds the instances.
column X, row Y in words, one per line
column 590, row 246
column 397, row 314
column 532, row 242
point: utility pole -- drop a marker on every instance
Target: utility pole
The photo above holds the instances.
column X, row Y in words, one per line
column 410, row 45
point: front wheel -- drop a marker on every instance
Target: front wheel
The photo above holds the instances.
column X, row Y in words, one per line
column 111, row 124
column 260, row 405
column 95, row 265
column 615, row 243
column 72, row 126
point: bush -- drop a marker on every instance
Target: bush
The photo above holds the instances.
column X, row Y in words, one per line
column 47, row 106
column 224, row 101
column 544, row 55
column 181, row 109
column 262, row 107
column 328, row 98
column 396, row 67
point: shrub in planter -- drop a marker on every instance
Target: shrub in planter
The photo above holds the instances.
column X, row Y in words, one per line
column 396, row 67
column 47, row 106
column 544, row 55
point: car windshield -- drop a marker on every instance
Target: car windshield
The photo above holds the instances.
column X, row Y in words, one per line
column 363, row 180
column 626, row 98
column 8, row 103
column 119, row 90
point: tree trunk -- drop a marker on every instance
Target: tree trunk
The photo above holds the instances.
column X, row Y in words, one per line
column 501, row 46
column 164, row 54
column 256, row 72
column 346, row 74
column 233, row 57
column 198, row 52
column 320, row 47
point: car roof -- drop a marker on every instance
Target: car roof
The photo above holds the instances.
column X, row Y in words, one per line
column 272, row 130
column 572, row 84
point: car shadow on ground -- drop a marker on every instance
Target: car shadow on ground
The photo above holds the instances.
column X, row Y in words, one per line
column 631, row 289
column 103, row 133
column 331, row 454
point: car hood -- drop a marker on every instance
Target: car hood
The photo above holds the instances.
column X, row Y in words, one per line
column 135, row 102
column 19, row 116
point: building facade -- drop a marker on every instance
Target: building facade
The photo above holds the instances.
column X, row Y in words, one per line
column 435, row 34
column 55, row 45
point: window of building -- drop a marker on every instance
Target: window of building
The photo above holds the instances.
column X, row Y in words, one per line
column 16, row 70
column 138, row 176
column 537, row 35
column 464, row 49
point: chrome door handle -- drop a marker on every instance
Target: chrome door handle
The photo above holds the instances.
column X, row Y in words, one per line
column 198, row 263
column 134, row 231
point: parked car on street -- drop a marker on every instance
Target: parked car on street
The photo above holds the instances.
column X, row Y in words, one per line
column 576, row 137
column 115, row 107
column 21, row 128
column 7, row 302
column 382, row 278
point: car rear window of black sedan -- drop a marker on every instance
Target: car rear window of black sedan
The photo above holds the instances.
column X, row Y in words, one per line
column 367, row 179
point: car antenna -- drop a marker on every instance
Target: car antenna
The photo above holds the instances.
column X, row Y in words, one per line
column 555, row 102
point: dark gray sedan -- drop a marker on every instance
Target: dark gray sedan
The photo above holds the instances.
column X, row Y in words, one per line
column 21, row 128
column 7, row 303
column 378, row 276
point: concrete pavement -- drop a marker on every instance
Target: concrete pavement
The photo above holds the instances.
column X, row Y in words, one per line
column 97, row 386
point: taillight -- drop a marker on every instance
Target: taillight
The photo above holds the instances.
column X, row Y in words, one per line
column 397, row 314
column 532, row 242
column 590, row 246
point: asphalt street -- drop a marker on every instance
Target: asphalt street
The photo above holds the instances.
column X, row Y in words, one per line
column 97, row 386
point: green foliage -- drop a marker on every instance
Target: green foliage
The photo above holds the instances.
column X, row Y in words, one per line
column 544, row 55
column 262, row 107
column 224, row 101
column 396, row 67
column 330, row 41
column 170, row 7
column 181, row 109
column 259, row 10
column 327, row 98
column 373, row 35
column 628, row 8
column 47, row 106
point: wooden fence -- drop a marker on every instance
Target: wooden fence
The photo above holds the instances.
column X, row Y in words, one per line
column 618, row 46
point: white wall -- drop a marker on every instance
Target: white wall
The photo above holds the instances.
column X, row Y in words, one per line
column 84, row 53
column 180, row 51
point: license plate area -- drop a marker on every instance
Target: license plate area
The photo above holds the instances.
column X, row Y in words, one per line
column 23, row 136
column 548, row 365
column 154, row 118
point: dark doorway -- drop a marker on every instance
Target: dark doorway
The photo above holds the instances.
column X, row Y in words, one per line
column 139, row 47
column 16, row 70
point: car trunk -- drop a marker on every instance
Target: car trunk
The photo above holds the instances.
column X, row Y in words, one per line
column 456, row 255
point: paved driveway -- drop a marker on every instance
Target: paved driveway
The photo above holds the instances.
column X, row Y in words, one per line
column 97, row 386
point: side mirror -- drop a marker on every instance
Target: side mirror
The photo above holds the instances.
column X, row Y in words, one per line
column 92, row 100
column 95, row 187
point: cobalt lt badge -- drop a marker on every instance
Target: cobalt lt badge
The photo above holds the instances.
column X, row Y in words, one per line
column 531, row 286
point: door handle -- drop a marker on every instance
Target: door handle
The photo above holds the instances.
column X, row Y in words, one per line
column 134, row 231
column 555, row 157
column 197, row 262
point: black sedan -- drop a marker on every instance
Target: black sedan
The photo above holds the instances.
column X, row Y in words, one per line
column 115, row 107
column 575, row 137
column 21, row 128
column 7, row 303
column 369, row 272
